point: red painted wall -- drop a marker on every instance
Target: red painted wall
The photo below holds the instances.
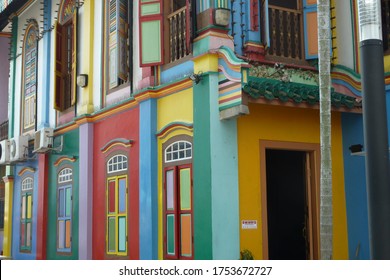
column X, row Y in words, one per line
column 42, row 206
column 123, row 125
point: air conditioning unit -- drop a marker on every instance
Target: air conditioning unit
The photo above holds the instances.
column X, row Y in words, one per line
column 4, row 152
column 43, row 140
column 19, row 148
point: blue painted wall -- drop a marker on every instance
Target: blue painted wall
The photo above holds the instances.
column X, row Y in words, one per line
column 16, row 254
column 355, row 188
column 148, row 221
column 177, row 72
column 241, row 25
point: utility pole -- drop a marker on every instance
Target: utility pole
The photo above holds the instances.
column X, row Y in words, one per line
column 375, row 127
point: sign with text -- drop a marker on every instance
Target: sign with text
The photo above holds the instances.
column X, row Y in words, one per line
column 249, row 224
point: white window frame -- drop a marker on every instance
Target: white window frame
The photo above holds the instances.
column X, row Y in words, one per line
column 117, row 163
column 171, row 151
column 65, row 175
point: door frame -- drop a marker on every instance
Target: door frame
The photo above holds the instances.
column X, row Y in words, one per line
column 312, row 190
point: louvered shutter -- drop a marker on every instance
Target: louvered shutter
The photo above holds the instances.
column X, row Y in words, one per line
column 118, row 33
column 151, row 32
column 58, row 79
column 310, row 28
column 74, row 60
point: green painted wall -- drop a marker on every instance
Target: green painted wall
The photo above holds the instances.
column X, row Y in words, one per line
column 224, row 173
column 70, row 149
column 202, row 172
column 216, row 208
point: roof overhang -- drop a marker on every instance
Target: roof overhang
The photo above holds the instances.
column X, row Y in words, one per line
column 12, row 8
column 276, row 92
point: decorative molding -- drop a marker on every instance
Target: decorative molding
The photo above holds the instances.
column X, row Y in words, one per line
column 283, row 74
column 117, row 142
column 8, row 179
column 163, row 132
column 232, row 74
column 64, row 158
column 26, row 169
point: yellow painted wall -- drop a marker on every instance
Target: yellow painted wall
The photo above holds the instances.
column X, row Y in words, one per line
column 8, row 206
column 172, row 108
column 387, row 63
column 266, row 122
column 176, row 107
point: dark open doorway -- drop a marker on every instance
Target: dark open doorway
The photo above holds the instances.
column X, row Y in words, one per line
column 287, row 210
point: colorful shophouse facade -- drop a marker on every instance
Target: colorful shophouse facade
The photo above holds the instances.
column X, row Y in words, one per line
column 170, row 128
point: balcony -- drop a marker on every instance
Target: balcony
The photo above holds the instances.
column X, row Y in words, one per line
column 4, row 130
column 285, row 29
column 179, row 34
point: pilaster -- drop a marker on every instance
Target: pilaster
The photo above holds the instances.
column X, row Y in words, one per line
column 216, row 209
column 148, row 220
column 42, row 210
column 86, row 191
column 86, row 45
column 8, row 208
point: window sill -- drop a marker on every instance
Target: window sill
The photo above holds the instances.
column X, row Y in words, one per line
column 177, row 62
column 117, row 94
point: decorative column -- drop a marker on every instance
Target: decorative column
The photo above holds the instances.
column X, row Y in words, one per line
column 8, row 208
column 148, row 220
column 43, row 179
column 86, row 46
column 86, row 190
column 216, row 208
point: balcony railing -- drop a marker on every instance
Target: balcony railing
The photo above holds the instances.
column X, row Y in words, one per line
column 4, row 130
column 178, row 29
column 285, row 29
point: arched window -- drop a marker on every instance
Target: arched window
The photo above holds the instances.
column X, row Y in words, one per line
column 64, row 210
column 26, row 214
column 116, row 221
column 117, row 163
column 65, row 56
column 179, row 150
column 29, row 87
column 27, row 184
column 65, row 175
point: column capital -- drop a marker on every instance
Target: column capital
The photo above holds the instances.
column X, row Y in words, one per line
column 8, row 179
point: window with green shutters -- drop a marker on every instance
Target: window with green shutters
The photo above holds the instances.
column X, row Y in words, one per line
column 165, row 31
column 116, row 206
column 26, row 214
column 64, row 210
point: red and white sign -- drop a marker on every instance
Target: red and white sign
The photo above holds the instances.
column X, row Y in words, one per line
column 249, row 224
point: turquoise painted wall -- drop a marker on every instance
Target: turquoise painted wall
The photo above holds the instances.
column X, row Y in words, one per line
column 70, row 149
column 216, row 210
column 224, row 166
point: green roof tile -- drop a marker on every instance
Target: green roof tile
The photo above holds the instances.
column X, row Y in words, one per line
column 296, row 92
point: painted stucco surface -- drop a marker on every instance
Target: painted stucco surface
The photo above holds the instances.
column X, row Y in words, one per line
column 292, row 125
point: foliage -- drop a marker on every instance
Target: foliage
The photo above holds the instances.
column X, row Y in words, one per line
column 246, row 255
